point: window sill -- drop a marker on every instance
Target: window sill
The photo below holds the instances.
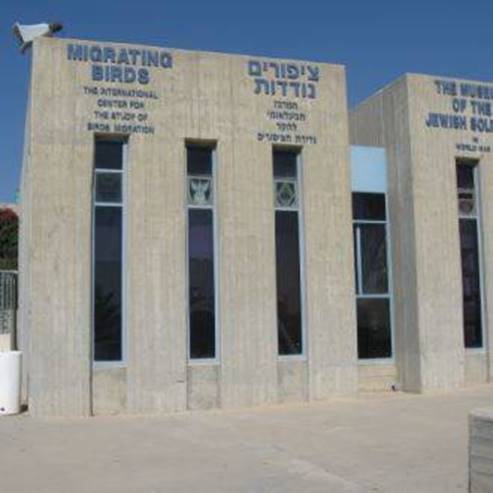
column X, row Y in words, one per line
column 203, row 362
column 475, row 350
column 291, row 357
column 377, row 362
column 108, row 365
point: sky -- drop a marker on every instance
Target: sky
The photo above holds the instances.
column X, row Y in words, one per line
column 377, row 41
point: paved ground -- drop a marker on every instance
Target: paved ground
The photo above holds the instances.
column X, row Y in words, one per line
column 373, row 443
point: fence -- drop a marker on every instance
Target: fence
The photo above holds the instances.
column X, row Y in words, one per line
column 8, row 301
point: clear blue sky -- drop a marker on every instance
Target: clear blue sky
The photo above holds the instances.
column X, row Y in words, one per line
column 376, row 40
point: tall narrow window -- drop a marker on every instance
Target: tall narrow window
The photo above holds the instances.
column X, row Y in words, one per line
column 470, row 257
column 202, row 312
column 372, row 277
column 108, row 248
column 288, row 272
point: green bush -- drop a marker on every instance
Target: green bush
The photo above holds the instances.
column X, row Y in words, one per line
column 9, row 239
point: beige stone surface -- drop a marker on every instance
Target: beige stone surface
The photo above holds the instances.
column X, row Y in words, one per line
column 204, row 97
column 383, row 443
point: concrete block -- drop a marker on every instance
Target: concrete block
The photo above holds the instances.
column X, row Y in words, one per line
column 476, row 367
column 481, row 451
column 203, row 386
column 376, row 377
column 293, row 380
column 109, row 391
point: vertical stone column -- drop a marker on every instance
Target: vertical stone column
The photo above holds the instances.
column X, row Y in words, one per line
column 437, row 242
column 57, row 252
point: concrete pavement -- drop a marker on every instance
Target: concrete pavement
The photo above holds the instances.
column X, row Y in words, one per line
column 370, row 443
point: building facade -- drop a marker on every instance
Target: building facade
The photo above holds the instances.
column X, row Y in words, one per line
column 197, row 232
column 438, row 134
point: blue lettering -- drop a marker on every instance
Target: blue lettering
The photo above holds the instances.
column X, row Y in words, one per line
column 97, row 72
column 481, row 125
column 165, row 60
column 143, row 76
column 152, row 58
column 116, row 74
column 133, row 55
column 76, row 52
column 254, row 68
column 129, row 75
column 440, row 120
column 96, row 54
column 109, row 55
column 123, row 57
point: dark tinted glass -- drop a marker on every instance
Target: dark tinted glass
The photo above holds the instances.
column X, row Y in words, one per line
column 201, row 275
column 108, row 187
column 355, row 254
column 107, row 283
column 471, row 291
column 369, row 206
column 199, row 160
column 373, row 328
column 108, row 154
column 373, row 258
column 288, row 283
column 284, row 164
column 465, row 176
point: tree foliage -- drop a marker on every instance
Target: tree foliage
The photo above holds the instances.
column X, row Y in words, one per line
column 9, row 239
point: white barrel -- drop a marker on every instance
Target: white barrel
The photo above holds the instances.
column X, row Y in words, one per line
column 10, row 382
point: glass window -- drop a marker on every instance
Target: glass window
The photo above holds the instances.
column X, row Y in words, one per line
column 202, row 310
column 108, row 154
column 374, row 339
column 469, row 231
column 465, row 176
column 371, row 276
column 373, row 243
column 285, row 164
column 200, row 190
column 286, row 193
column 288, row 267
column 108, row 284
column 471, row 290
column 201, row 272
column 288, row 283
column 108, row 252
column 108, row 187
column 199, row 160
column 369, row 206
column 466, row 191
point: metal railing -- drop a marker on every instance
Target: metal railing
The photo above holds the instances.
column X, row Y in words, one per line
column 8, row 301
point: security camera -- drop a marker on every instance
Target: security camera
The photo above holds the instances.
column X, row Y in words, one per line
column 27, row 33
